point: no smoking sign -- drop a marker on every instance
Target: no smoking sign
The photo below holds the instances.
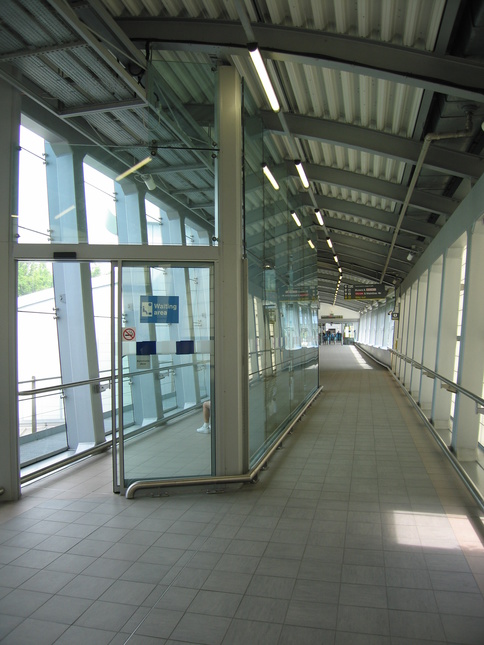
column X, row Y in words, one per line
column 129, row 333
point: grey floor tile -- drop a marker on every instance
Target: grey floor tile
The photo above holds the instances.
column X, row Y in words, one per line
column 316, row 591
column 40, row 632
column 48, row 581
column 227, row 581
column 416, row 625
column 453, row 581
column 106, row 615
column 269, row 610
column 76, row 635
column 312, row 614
column 35, row 559
column 107, row 568
column 363, row 620
column 363, row 575
column 127, row 592
column 215, row 603
column 271, row 587
column 8, row 623
column 350, row 638
column 465, row 630
column 159, row 623
column 241, row 632
column 62, row 609
column 203, row 629
column 278, row 567
column 90, row 587
column 291, row 634
column 22, row 602
column 363, row 595
column 193, row 578
column 460, row 604
column 412, row 599
column 145, row 572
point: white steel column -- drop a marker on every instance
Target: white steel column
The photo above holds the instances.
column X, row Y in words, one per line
column 418, row 336
column 402, row 308
column 471, row 358
column 429, row 347
column 230, row 285
column 9, row 142
column 447, row 335
column 410, row 333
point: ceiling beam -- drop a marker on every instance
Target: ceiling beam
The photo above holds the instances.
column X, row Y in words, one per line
column 438, row 158
column 452, row 75
column 351, row 209
column 379, row 187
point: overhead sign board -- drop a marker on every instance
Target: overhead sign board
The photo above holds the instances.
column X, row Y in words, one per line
column 300, row 295
column 367, row 292
column 159, row 309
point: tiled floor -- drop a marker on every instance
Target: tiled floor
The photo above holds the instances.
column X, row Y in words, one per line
column 359, row 533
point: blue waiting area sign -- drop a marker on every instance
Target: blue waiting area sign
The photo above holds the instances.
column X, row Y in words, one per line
column 159, row 309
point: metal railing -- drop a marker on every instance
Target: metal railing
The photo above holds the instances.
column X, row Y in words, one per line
column 225, row 479
column 446, row 383
column 449, row 385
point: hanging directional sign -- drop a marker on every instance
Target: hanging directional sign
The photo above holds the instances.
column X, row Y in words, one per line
column 159, row 309
column 367, row 292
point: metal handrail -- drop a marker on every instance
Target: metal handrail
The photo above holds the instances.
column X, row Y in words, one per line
column 462, row 390
column 466, row 479
column 224, row 479
column 64, row 386
column 102, row 379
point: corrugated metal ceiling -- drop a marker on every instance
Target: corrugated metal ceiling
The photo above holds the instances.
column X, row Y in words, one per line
column 360, row 84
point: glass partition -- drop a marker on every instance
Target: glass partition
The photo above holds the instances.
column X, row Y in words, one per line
column 282, row 299
column 167, row 358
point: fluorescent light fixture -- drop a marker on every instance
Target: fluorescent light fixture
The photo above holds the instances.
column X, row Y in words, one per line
column 330, row 244
column 311, row 244
column 335, row 257
column 263, row 76
column 149, row 181
column 295, row 218
column 301, row 172
column 341, row 271
column 270, row 176
column 319, row 217
column 134, row 168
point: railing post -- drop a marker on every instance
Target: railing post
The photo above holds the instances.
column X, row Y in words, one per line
column 34, row 408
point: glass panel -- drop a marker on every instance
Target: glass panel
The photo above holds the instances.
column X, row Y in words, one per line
column 282, row 302
column 167, row 359
column 42, row 428
column 102, row 225
column 33, row 210
column 101, row 301
column 64, row 367
column 154, row 222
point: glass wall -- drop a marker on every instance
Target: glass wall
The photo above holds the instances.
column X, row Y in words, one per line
column 65, row 322
column 282, row 302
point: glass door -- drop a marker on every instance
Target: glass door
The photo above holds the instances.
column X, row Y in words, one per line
column 163, row 343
